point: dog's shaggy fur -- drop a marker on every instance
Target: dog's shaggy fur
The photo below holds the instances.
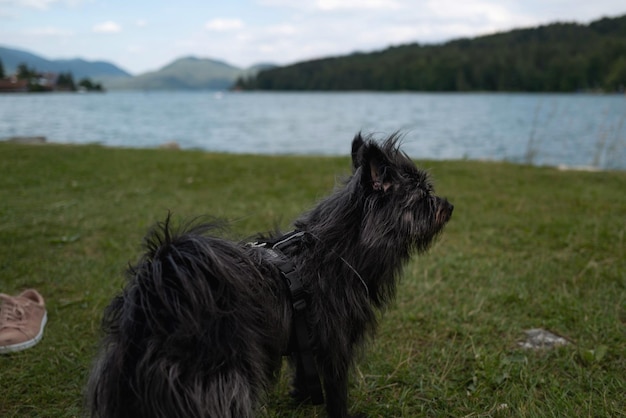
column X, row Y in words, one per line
column 201, row 327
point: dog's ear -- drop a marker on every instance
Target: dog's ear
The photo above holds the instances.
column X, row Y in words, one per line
column 357, row 144
column 376, row 172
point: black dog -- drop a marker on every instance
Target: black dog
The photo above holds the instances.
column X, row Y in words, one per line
column 203, row 322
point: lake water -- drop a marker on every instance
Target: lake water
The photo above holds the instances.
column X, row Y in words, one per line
column 542, row 129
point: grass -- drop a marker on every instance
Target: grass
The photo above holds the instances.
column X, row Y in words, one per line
column 527, row 247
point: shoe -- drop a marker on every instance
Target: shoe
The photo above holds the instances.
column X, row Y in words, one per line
column 22, row 319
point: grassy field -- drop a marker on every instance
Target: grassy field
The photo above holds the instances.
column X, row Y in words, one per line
column 527, row 247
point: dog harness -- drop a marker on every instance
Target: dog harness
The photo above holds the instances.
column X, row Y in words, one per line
column 300, row 339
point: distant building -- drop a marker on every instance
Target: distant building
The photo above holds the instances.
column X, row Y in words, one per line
column 13, row 85
column 48, row 81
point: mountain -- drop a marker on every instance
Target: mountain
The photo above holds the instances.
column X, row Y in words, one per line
column 79, row 68
column 559, row 57
column 189, row 73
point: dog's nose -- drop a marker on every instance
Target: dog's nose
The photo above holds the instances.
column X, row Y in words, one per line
column 445, row 205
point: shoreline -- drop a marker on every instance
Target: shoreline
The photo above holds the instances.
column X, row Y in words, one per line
column 173, row 145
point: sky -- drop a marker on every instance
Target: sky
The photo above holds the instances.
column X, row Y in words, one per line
column 145, row 35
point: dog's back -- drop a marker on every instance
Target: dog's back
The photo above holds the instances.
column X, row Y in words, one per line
column 180, row 340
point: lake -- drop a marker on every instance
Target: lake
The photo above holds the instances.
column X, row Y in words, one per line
column 542, row 129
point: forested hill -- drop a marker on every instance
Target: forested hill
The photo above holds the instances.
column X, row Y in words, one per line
column 560, row 57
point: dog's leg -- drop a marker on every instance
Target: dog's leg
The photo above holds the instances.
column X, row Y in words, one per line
column 334, row 367
column 336, row 390
column 299, row 392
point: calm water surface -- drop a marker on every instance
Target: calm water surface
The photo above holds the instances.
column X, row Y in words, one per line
column 544, row 129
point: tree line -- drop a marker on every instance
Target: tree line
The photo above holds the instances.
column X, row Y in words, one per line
column 39, row 82
column 560, row 57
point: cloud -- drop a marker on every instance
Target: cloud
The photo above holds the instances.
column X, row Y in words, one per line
column 330, row 5
column 107, row 27
column 223, row 25
column 284, row 29
column 141, row 23
column 37, row 4
column 335, row 5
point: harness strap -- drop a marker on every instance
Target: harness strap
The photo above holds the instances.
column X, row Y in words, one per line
column 300, row 341
column 300, row 330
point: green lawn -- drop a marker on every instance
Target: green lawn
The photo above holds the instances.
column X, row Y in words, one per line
column 527, row 247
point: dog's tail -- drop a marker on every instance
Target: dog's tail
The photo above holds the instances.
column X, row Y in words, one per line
column 196, row 332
